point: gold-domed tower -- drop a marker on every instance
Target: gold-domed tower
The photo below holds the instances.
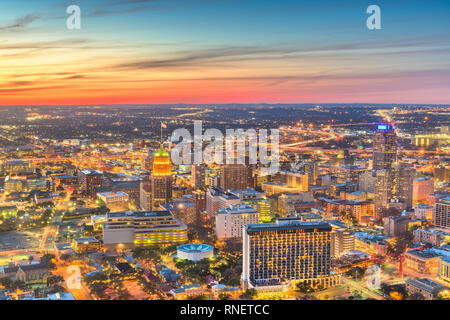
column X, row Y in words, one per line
column 161, row 179
column 161, row 163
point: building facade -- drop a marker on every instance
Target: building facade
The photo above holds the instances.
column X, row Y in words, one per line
column 286, row 251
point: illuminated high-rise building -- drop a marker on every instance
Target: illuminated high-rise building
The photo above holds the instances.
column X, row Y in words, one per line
column 404, row 187
column 384, row 147
column 233, row 176
column 285, row 252
column 157, row 189
column 421, row 188
column 90, row 180
column 161, row 179
column 198, row 176
column 383, row 191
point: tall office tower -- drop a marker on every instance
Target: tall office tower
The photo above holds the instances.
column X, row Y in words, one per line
column 310, row 168
column 403, row 185
column 422, row 187
column 123, row 230
column 198, row 176
column 384, row 147
column 90, row 180
column 383, row 192
column 161, row 179
column 441, row 214
column 285, row 252
column 145, row 195
column 233, row 176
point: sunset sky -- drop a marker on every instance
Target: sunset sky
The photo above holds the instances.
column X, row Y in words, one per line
column 223, row 51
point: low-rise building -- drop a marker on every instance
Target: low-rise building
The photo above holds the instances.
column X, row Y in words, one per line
column 142, row 228
column 426, row 287
column 26, row 272
column 444, row 269
column 115, row 201
column 86, row 245
column 422, row 261
column 190, row 290
column 431, row 236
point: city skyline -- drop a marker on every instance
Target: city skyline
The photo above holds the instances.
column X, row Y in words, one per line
column 145, row 52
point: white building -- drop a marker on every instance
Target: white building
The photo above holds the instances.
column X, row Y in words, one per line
column 195, row 251
column 229, row 221
column 115, row 201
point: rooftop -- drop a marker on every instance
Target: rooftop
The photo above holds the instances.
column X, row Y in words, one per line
column 139, row 214
column 292, row 225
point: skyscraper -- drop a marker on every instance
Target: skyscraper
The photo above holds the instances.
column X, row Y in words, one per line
column 384, row 161
column 158, row 188
column 233, row 176
column 383, row 191
column 198, row 176
column 384, row 147
column 90, row 180
column 403, row 184
column 161, row 179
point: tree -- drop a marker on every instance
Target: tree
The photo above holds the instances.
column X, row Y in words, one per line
column 249, row 294
column 98, row 288
column 47, row 258
column 416, row 296
column 124, row 294
column 65, row 257
column 224, row 296
column 6, row 282
column 54, row 279
column 18, row 284
column 304, row 287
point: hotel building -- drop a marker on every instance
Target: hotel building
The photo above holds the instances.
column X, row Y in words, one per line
column 287, row 252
